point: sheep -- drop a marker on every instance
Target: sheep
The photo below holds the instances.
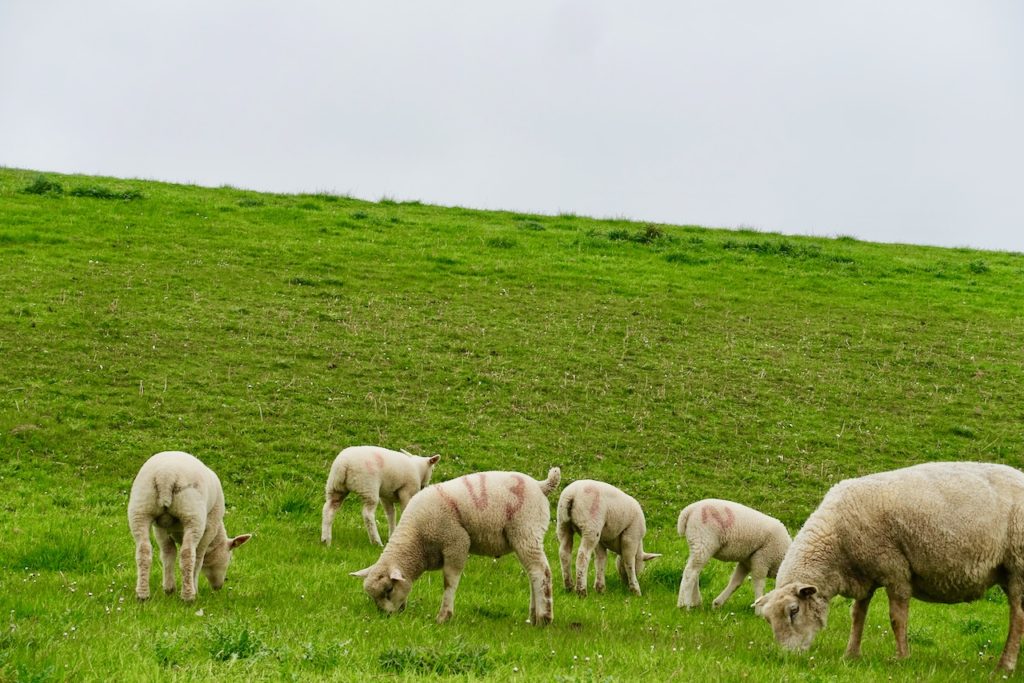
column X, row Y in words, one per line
column 486, row 513
column 939, row 532
column 182, row 500
column 375, row 475
column 729, row 532
column 606, row 519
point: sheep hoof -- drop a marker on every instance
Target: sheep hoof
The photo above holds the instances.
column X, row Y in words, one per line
column 582, row 592
column 634, row 591
column 599, row 588
column 541, row 620
column 142, row 598
column 169, row 591
column 717, row 604
column 443, row 617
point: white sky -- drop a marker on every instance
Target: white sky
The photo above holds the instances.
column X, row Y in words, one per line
column 889, row 121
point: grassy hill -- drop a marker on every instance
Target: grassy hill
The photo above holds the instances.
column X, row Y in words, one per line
column 265, row 332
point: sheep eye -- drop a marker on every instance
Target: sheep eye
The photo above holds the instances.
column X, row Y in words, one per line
column 793, row 611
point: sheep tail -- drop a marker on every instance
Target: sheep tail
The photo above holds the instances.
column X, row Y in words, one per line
column 164, row 493
column 551, row 483
column 684, row 517
column 336, row 479
column 564, row 515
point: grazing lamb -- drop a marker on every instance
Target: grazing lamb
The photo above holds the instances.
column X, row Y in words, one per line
column 487, row 513
column 182, row 500
column 729, row 532
column 939, row 532
column 606, row 519
column 375, row 475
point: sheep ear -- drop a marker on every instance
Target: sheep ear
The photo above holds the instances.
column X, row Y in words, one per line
column 361, row 573
column 806, row 591
column 759, row 604
column 651, row 556
column 238, row 540
column 433, row 459
column 396, row 574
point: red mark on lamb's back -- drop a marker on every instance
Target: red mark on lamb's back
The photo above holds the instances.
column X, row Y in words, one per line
column 449, row 502
column 519, row 494
column 723, row 518
column 479, row 497
column 375, row 463
column 595, row 504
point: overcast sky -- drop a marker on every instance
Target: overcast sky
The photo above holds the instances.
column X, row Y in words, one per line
column 888, row 121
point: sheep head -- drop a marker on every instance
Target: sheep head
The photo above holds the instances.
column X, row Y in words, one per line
column 218, row 557
column 796, row 613
column 386, row 585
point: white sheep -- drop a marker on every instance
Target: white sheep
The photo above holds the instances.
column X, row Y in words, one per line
column 606, row 519
column 487, row 513
column 730, row 532
column 181, row 498
column 375, row 475
column 939, row 532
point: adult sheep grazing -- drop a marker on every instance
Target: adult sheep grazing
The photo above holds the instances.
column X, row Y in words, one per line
column 606, row 518
column 729, row 532
column 375, row 475
column 939, row 532
column 182, row 500
column 487, row 513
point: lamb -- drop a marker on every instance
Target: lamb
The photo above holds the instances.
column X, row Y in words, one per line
column 729, row 532
column 374, row 474
column 181, row 498
column 487, row 513
column 939, row 532
column 606, row 519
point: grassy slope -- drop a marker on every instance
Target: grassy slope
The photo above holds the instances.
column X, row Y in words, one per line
column 265, row 332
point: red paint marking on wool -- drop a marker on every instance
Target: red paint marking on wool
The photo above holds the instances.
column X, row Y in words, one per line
column 723, row 519
column 450, row 502
column 375, row 463
column 519, row 493
column 479, row 497
column 595, row 504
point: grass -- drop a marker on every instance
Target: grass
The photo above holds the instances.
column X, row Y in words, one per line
column 264, row 332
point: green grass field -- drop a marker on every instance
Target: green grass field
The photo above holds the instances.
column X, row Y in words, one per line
column 263, row 333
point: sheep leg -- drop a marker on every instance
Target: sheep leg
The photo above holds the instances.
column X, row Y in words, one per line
column 858, row 613
column 535, row 562
column 331, row 505
column 1008, row 660
column 452, row 571
column 588, row 541
column 204, row 545
column 143, row 556
column 389, row 510
column 738, row 575
column 628, row 559
column 565, row 538
column 689, row 587
column 189, row 541
column 600, row 561
column 899, row 608
column 369, row 519
column 168, row 555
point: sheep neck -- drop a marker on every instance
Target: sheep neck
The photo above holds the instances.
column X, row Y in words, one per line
column 814, row 558
column 410, row 558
